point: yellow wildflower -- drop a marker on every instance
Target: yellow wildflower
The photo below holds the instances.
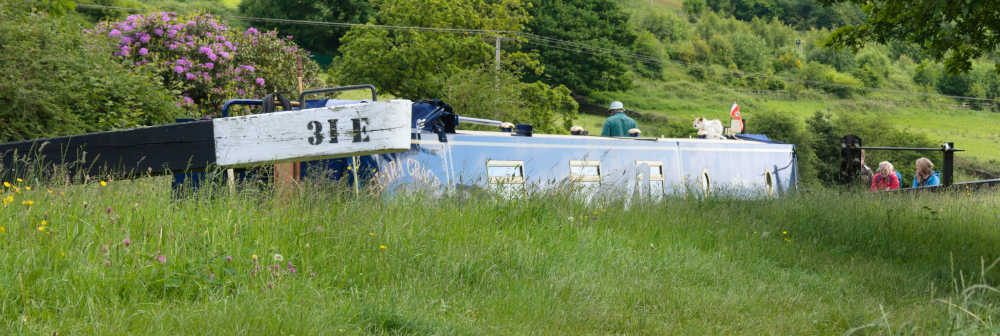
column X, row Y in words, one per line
column 6, row 184
column 19, row 180
column 41, row 229
column 3, row 229
column 382, row 247
column 104, row 184
column 44, row 223
column 784, row 232
column 28, row 188
column 28, row 203
column 254, row 257
column 62, row 254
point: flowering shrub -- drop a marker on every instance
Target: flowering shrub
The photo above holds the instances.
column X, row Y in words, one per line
column 207, row 61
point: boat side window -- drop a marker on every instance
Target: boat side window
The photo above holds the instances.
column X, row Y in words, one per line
column 585, row 172
column 653, row 176
column 586, row 176
column 505, row 176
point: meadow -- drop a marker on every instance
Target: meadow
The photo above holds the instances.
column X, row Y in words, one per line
column 684, row 98
column 114, row 257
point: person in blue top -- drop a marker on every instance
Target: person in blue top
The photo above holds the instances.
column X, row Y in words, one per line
column 618, row 124
column 925, row 176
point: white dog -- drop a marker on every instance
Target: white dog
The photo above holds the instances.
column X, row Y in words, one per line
column 711, row 129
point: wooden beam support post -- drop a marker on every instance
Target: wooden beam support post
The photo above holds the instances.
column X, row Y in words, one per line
column 284, row 136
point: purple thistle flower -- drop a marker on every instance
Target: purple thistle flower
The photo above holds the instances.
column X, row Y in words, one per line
column 162, row 259
column 211, row 275
column 107, row 263
column 144, row 38
column 127, row 242
column 188, row 100
column 312, row 274
column 127, row 40
column 206, row 76
column 252, row 30
column 108, row 210
column 209, row 65
column 248, row 67
column 259, row 81
column 205, row 50
column 241, row 92
column 143, row 51
column 178, row 69
column 213, row 57
column 190, row 44
column 225, row 55
column 190, row 76
column 114, row 33
column 291, row 270
column 229, row 258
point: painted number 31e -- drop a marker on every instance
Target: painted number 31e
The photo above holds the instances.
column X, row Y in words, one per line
column 359, row 128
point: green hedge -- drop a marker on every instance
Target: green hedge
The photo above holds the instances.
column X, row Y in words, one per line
column 55, row 82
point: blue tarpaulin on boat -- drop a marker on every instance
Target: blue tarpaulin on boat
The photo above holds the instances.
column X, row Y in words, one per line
column 757, row 137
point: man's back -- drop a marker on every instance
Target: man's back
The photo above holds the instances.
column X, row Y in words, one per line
column 618, row 125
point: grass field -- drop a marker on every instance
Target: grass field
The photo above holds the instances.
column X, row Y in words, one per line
column 680, row 96
column 126, row 258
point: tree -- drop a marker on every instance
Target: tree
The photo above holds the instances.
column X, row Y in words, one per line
column 599, row 23
column 56, row 80
column 319, row 39
column 411, row 63
column 954, row 31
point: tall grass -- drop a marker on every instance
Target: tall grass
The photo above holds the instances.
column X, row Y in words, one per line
column 124, row 257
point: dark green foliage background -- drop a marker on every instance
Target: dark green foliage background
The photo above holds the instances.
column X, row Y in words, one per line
column 54, row 82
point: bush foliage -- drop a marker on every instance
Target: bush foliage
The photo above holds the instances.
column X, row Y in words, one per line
column 56, row 80
column 205, row 60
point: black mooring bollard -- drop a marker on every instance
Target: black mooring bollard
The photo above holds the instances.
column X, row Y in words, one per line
column 948, row 168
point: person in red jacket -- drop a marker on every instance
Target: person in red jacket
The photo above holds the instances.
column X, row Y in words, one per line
column 886, row 178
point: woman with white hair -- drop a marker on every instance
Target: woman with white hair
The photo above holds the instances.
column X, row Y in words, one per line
column 886, row 178
column 925, row 176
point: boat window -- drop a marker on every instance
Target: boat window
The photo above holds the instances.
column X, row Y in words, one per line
column 650, row 173
column 586, row 175
column 506, row 176
column 585, row 171
column 769, row 182
column 706, row 183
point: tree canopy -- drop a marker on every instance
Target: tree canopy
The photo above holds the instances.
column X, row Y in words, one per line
column 598, row 23
column 954, row 31
column 408, row 63
column 319, row 39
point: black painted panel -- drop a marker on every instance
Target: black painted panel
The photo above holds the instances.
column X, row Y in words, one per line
column 150, row 150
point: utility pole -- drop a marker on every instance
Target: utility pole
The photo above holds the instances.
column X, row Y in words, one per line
column 496, row 50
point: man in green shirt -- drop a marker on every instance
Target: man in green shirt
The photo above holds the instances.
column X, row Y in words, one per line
column 618, row 124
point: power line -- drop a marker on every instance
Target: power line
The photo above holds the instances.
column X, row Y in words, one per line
column 550, row 42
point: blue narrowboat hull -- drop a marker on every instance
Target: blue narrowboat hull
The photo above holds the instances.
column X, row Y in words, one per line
column 601, row 165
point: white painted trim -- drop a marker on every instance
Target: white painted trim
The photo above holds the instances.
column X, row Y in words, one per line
column 290, row 135
column 617, row 147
